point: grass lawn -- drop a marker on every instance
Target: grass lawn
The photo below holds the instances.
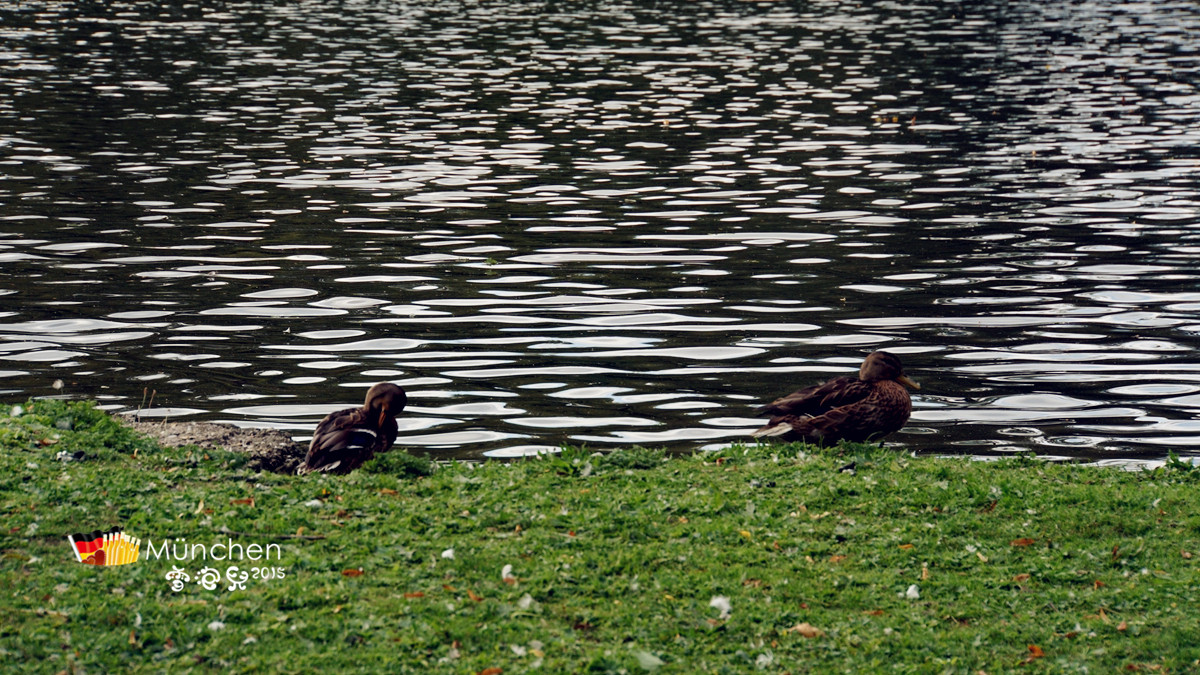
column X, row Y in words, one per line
column 773, row 559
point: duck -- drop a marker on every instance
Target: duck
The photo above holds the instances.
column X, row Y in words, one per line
column 345, row 439
column 860, row 410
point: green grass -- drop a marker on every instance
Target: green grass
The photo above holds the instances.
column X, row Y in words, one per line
column 1019, row 565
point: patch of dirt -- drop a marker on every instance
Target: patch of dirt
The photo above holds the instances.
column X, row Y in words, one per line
column 269, row 449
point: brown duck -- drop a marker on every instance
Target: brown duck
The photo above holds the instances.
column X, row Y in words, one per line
column 345, row 439
column 861, row 409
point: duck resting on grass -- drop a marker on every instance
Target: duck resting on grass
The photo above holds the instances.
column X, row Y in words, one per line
column 345, row 439
column 861, row 409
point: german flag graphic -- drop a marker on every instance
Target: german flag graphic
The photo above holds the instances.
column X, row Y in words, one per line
column 112, row 547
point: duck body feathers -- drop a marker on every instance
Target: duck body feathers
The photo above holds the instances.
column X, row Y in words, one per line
column 818, row 399
column 347, row 439
column 856, row 409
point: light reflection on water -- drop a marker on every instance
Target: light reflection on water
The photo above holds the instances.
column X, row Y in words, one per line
column 612, row 226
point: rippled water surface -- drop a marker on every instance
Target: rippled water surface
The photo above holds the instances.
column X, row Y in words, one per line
column 610, row 223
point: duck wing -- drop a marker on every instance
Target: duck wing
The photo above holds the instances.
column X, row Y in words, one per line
column 819, row 399
column 345, row 439
column 883, row 411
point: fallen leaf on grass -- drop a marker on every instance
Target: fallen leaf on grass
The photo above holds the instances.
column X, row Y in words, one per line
column 414, row 594
column 722, row 605
column 491, row 671
column 647, row 660
column 1122, row 626
column 1035, row 652
column 388, row 491
column 906, row 546
column 1023, row 541
column 1116, row 547
column 474, row 596
column 806, row 629
column 837, row 558
column 352, row 572
column 1021, row 577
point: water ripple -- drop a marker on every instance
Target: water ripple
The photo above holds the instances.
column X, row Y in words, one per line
column 614, row 225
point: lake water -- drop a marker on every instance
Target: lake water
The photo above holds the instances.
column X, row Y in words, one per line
column 608, row 223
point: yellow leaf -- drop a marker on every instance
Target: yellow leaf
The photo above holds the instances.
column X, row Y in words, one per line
column 806, row 629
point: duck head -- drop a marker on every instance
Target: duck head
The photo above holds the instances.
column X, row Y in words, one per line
column 880, row 366
column 386, row 399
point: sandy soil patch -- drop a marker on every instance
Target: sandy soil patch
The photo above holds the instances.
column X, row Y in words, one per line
column 269, row 449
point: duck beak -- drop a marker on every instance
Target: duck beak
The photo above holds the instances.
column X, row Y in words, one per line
column 909, row 382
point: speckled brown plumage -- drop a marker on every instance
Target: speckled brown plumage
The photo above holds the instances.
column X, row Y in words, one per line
column 861, row 409
column 346, row 439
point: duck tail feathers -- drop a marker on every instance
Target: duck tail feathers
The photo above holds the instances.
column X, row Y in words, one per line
column 773, row 431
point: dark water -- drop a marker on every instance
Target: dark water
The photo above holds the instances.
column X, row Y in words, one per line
column 609, row 223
